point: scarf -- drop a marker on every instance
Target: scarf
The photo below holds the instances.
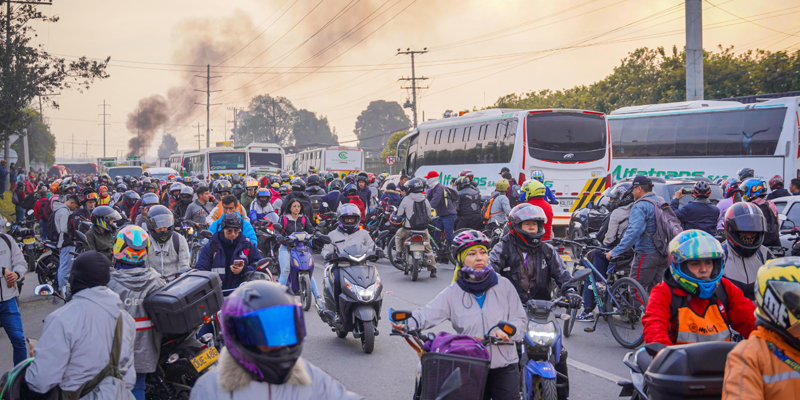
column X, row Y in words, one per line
column 772, row 337
column 476, row 287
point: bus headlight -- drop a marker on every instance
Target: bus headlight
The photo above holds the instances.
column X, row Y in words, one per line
column 542, row 334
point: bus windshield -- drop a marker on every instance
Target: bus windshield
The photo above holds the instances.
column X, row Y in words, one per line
column 81, row 168
column 226, row 160
column 571, row 137
column 265, row 160
column 114, row 172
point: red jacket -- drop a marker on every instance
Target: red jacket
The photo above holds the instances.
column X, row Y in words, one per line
column 37, row 209
column 548, row 210
column 657, row 317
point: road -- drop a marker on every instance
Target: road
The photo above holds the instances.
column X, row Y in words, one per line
column 388, row 373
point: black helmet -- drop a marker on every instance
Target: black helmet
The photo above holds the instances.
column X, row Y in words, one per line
column 702, row 190
column 262, row 313
column 298, row 185
column 348, row 210
column 350, row 190
column 746, row 173
column 285, row 177
column 329, row 177
column 463, row 182
column 105, row 217
column 130, row 198
column 222, row 186
column 160, row 217
column 121, row 188
column 415, row 185
column 336, row 184
column 362, row 177
column 149, row 200
column 15, row 387
column 146, row 173
column 313, row 180
column 745, row 217
column 235, row 179
column 621, row 195
column 104, row 179
column 526, row 212
column 283, row 190
column 231, row 220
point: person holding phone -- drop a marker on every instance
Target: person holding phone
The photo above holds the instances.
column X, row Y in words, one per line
column 698, row 213
column 229, row 253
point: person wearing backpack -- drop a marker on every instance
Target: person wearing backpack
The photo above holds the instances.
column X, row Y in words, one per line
column 695, row 294
column 754, row 190
column 469, row 205
column 18, row 198
column 416, row 210
column 479, row 299
column 391, row 195
column 442, row 200
column 648, row 264
column 698, row 213
column 744, row 251
column 59, row 232
column 39, row 210
column 496, row 210
column 514, row 188
column 168, row 252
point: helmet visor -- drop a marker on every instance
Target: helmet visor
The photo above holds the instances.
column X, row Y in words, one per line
column 276, row 326
column 789, row 292
column 749, row 223
column 162, row 221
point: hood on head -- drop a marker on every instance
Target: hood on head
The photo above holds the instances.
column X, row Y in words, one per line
column 102, row 296
column 135, row 278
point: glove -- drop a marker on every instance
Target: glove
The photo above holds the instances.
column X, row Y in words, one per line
column 379, row 253
column 573, row 299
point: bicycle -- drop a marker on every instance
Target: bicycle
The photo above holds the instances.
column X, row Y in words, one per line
column 622, row 306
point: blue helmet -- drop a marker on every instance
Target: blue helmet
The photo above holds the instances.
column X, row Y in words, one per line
column 538, row 175
column 753, row 188
column 695, row 245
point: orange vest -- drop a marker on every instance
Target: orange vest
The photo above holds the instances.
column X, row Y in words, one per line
column 689, row 327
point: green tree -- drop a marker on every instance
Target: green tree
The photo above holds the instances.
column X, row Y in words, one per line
column 268, row 120
column 310, row 131
column 41, row 143
column 376, row 124
column 168, row 145
column 391, row 146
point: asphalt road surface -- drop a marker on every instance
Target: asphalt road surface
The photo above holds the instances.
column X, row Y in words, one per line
column 388, row 373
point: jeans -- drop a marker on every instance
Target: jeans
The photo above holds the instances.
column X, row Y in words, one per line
column 20, row 211
column 43, row 227
column 601, row 264
column 446, row 224
column 502, row 383
column 139, row 386
column 64, row 266
column 11, row 319
column 285, row 260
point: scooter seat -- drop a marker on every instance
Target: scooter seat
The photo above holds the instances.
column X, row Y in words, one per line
column 643, row 360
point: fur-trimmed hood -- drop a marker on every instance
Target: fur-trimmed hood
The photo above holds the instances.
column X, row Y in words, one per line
column 233, row 377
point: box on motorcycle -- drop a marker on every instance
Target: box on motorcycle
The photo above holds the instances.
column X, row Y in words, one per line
column 184, row 303
column 436, row 367
column 689, row 371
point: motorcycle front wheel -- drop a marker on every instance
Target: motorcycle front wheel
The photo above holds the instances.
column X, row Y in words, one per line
column 544, row 389
column 368, row 337
column 47, row 270
column 305, row 291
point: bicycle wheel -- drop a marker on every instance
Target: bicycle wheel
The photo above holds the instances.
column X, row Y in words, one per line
column 573, row 313
column 627, row 301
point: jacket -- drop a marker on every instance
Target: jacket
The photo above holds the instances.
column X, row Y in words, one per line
column 469, row 203
column 657, row 319
column 355, row 200
column 549, row 196
column 742, row 271
column 697, row 214
column 11, row 258
column 548, row 211
column 392, row 197
column 753, row 371
column 510, row 191
column 778, row 193
column 315, row 191
column 246, row 200
column 443, row 204
column 500, row 208
column 180, row 208
column 247, row 229
column 617, row 224
column 216, row 213
column 132, row 286
column 365, row 195
column 230, row 381
column 258, row 213
column 291, row 225
column 332, row 199
column 304, row 200
column 642, row 220
column 467, row 318
column 76, row 344
column 343, row 240
column 101, row 242
column 162, row 258
column 197, row 213
column 37, row 209
column 61, row 219
column 212, row 258
column 406, row 208
column 507, row 259
column 723, row 206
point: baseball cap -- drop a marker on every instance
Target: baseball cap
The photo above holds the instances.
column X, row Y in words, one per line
column 432, row 174
column 504, row 169
column 642, row 180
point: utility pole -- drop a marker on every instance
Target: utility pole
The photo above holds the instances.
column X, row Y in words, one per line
column 208, row 102
column 198, row 135
column 694, row 50
column 104, row 127
column 413, row 80
column 138, row 136
column 235, row 130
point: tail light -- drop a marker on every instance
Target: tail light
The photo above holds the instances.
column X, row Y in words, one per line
column 608, row 181
column 416, row 239
column 561, row 249
column 521, row 179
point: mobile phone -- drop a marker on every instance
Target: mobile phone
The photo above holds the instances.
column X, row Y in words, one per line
column 687, row 190
column 238, row 263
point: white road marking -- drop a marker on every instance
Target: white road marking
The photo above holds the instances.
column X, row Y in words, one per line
column 594, row 371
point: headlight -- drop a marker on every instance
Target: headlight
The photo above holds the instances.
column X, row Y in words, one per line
column 362, row 294
column 542, row 334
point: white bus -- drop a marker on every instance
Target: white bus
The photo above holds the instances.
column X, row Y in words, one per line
column 215, row 160
column 330, row 159
column 713, row 139
column 175, row 161
column 264, row 158
column 571, row 148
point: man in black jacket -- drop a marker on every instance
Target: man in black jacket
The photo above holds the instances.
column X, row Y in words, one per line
column 776, row 188
column 699, row 213
column 469, row 205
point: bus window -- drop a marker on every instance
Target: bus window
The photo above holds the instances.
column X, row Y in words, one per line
column 265, row 160
column 226, row 160
column 557, row 136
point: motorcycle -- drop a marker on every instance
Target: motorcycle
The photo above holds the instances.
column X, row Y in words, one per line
column 268, row 245
column 302, row 265
column 47, row 264
column 197, row 235
column 357, row 308
column 25, row 235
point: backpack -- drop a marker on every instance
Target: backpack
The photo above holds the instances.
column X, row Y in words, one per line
column 52, row 232
column 772, row 236
column 516, row 192
column 459, row 345
column 452, row 195
column 29, row 202
column 47, row 208
column 420, row 218
column 486, row 211
column 667, row 226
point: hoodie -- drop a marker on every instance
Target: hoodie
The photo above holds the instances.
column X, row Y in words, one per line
column 406, row 208
column 133, row 285
column 61, row 219
column 163, row 258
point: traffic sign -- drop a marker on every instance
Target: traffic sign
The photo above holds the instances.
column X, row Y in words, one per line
column 391, row 160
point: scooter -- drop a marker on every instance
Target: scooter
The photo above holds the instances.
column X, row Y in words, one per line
column 302, row 265
column 357, row 307
column 26, row 237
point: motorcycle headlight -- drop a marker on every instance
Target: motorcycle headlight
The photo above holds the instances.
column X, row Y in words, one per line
column 542, row 334
column 367, row 294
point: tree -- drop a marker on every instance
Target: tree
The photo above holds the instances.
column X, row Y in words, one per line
column 376, row 124
column 268, row 120
column 310, row 131
column 391, row 146
column 27, row 72
column 168, row 145
column 41, row 143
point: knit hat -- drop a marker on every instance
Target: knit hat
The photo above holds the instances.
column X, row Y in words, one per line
column 89, row 269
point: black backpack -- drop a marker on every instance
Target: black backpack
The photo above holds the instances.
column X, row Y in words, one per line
column 52, row 232
column 772, row 237
column 420, row 219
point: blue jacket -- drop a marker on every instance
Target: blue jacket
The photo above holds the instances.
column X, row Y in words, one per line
column 365, row 194
column 697, row 215
column 332, row 199
column 247, row 229
column 641, row 220
column 3, row 173
column 212, row 258
column 392, row 197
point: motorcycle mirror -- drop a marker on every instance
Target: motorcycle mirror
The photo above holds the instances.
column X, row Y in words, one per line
column 277, row 227
column 431, row 336
column 580, row 275
column 788, row 224
column 450, row 385
column 81, row 237
column 782, row 217
column 8, row 224
column 43, row 290
column 206, row 234
column 399, row 315
column 262, row 262
column 507, row 328
column 590, row 205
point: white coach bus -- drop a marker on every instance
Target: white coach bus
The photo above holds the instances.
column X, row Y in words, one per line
column 330, row 159
column 215, row 160
column 264, row 158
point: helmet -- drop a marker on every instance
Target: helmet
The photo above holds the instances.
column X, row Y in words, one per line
column 416, row 185
column 122, row 188
column 261, row 194
column 160, row 217
column 313, row 180
column 104, row 179
column 533, row 189
column 285, row 178
column 105, row 217
column 745, row 173
column 527, row 212
column 283, row 190
column 312, row 170
column 732, row 187
column 538, row 175
column 176, row 187
column 467, row 239
column 329, row 177
column 702, row 190
column 350, row 190
column 501, row 185
column 778, row 298
column 130, row 198
column 745, row 217
column 13, row 385
column 149, row 200
column 262, row 313
column 222, row 186
column 753, row 188
column 775, row 181
column 131, row 245
column 66, row 186
column 298, row 185
column 251, row 183
column 695, row 245
column 89, row 197
column 54, row 186
column 236, row 179
column 188, row 181
column 467, row 173
column 231, row 220
column 336, row 184
column 370, row 177
column 349, row 179
column 621, row 195
column 187, row 193
column 362, row 178
column 396, row 220
column 463, row 182
column 348, row 210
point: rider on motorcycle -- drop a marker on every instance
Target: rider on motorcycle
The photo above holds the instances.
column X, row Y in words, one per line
column 406, row 211
column 294, row 221
column 261, row 208
column 229, row 253
column 169, row 251
column 101, row 236
column 743, row 250
column 332, row 197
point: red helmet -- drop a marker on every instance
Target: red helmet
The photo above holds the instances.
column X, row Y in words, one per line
column 371, row 177
column 774, row 181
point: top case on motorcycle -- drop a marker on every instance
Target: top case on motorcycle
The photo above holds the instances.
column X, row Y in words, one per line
column 691, row 371
column 184, row 303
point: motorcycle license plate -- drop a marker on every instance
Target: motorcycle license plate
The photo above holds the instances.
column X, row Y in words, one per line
column 28, row 240
column 417, row 247
column 205, row 359
column 565, row 257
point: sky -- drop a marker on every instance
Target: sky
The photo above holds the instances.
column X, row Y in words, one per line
column 333, row 57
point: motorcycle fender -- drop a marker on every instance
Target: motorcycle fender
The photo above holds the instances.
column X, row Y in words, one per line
column 539, row 368
column 417, row 255
column 364, row 313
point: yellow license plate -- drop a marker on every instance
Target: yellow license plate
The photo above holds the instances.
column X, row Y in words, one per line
column 565, row 257
column 28, row 240
column 205, row 359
